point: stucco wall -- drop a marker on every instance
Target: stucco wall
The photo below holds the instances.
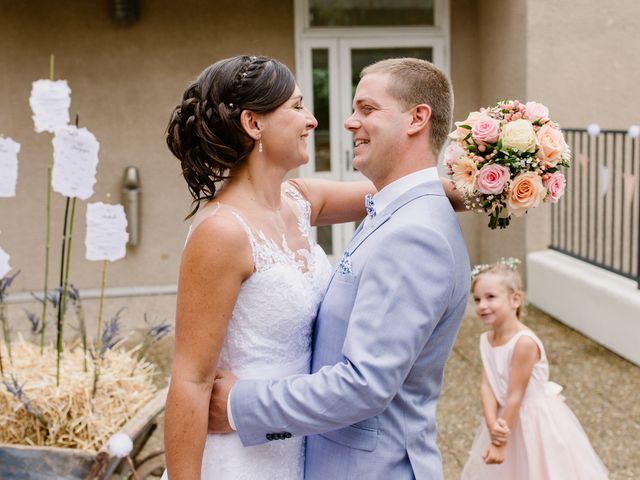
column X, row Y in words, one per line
column 124, row 81
column 582, row 60
column 501, row 60
column 466, row 85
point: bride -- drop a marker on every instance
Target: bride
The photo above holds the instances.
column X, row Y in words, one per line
column 251, row 276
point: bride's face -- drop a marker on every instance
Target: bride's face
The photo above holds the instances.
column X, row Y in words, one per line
column 286, row 130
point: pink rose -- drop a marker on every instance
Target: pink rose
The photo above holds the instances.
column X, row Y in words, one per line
column 555, row 185
column 492, row 179
column 460, row 132
column 453, row 151
column 527, row 191
column 536, row 111
column 485, row 130
column 552, row 145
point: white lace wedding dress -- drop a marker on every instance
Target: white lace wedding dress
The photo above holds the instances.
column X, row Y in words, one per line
column 269, row 336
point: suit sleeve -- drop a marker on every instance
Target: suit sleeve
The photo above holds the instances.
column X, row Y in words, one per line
column 403, row 292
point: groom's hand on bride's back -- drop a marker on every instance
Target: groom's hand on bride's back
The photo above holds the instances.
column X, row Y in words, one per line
column 218, row 417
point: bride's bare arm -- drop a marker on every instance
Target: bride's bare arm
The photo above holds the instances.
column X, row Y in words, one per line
column 338, row 202
column 215, row 262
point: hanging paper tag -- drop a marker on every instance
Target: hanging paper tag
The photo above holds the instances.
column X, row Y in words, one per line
column 106, row 232
column 75, row 160
column 8, row 167
column 4, row 263
column 50, row 101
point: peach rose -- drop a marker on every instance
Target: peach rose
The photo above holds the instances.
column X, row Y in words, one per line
column 527, row 191
column 460, row 132
column 519, row 135
column 535, row 111
column 492, row 179
column 552, row 145
column 485, row 130
column 555, row 185
column 464, row 173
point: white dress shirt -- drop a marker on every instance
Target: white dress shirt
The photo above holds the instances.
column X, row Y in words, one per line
column 388, row 194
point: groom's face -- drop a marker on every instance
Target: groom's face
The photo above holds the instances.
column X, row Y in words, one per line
column 378, row 125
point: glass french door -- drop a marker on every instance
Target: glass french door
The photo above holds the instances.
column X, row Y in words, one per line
column 328, row 73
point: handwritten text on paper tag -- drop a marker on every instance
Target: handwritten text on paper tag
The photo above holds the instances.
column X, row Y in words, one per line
column 8, row 167
column 106, row 232
column 75, row 160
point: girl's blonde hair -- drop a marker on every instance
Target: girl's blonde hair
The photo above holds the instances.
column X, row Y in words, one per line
column 507, row 269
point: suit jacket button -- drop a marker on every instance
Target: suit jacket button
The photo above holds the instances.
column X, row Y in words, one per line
column 269, row 436
column 280, row 436
column 287, row 435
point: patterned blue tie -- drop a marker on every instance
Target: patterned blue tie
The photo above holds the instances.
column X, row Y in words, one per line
column 369, row 205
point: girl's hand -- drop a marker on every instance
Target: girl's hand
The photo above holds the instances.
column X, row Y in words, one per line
column 493, row 455
column 499, row 432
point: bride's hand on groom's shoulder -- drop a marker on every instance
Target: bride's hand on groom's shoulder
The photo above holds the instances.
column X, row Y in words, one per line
column 218, row 416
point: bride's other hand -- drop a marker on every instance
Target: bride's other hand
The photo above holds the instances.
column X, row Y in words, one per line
column 218, row 416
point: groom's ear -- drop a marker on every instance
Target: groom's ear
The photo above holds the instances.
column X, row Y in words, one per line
column 420, row 116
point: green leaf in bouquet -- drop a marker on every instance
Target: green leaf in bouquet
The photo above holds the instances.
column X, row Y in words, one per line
column 468, row 127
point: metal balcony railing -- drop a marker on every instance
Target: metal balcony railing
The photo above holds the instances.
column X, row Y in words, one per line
column 598, row 220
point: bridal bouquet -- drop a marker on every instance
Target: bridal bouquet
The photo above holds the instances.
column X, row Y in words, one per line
column 505, row 160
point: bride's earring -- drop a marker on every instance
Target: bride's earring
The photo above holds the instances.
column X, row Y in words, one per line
column 260, row 146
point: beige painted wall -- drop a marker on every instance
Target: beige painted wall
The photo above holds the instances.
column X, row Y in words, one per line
column 466, row 85
column 124, row 82
column 501, row 60
column 582, row 60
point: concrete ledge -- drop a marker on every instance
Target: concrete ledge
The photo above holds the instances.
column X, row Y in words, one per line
column 600, row 304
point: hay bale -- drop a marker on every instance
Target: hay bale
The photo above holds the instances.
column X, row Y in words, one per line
column 73, row 417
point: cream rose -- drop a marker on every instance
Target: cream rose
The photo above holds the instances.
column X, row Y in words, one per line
column 460, row 132
column 464, row 173
column 520, row 135
column 527, row 191
column 552, row 145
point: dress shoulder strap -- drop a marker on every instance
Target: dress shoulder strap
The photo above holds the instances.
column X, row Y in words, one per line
column 534, row 337
column 303, row 207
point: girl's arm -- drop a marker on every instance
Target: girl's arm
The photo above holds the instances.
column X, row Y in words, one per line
column 489, row 402
column 525, row 355
column 216, row 260
column 339, row 202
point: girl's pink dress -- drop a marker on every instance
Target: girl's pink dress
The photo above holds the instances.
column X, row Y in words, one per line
column 547, row 442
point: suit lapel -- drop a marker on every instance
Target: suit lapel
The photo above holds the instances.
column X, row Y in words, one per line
column 427, row 188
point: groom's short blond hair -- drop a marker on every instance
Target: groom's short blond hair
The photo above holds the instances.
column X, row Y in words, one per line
column 415, row 81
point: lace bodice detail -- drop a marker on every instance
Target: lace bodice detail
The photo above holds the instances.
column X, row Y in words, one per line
column 274, row 313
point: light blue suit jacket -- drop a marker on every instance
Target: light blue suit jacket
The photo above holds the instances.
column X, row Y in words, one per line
column 382, row 337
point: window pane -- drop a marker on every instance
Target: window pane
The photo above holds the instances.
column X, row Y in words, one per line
column 372, row 13
column 325, row 238
column 320, row 68
column 362, row 57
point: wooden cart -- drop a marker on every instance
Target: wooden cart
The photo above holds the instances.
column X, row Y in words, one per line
column 19, row 462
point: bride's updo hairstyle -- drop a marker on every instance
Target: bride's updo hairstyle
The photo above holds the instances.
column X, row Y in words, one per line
column 204, row 131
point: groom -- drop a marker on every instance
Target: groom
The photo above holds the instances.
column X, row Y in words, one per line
column 392, row 309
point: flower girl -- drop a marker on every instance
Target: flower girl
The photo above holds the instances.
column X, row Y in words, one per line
column 528, row 432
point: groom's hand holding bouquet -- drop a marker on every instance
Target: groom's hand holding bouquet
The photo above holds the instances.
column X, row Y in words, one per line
column 505, row 159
